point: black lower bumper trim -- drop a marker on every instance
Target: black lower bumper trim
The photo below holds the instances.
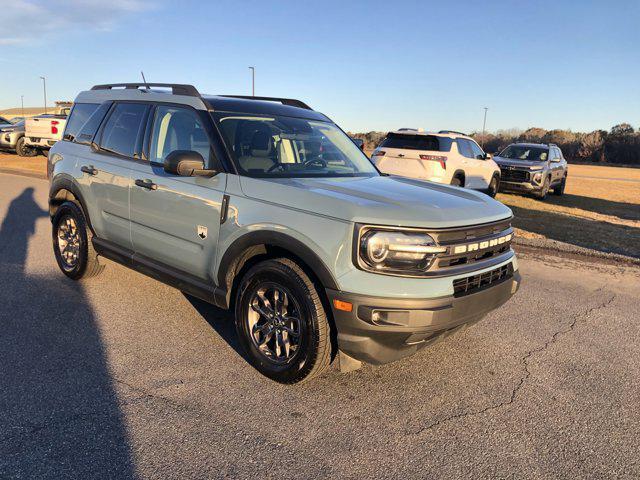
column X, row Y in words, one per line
column 381, row 330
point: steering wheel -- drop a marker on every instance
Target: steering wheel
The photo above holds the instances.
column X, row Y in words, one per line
column 319, row 161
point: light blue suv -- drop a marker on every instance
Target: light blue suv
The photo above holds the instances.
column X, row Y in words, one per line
column 266, row 206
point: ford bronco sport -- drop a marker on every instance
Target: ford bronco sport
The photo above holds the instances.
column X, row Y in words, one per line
column 265, row 206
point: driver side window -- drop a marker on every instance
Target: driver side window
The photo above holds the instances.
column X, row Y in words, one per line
column 477, row 151
column 176, row 128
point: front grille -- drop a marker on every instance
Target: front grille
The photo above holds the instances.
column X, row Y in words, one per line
column 509, row 175
column 474, row 283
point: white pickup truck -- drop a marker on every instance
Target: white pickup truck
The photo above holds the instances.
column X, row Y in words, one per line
column 43, row 131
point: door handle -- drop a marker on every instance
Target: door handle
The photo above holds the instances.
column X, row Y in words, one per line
column 89, row 169
column 148, row 184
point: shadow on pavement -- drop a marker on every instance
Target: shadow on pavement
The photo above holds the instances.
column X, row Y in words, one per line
column 623, row 210
column 59, row 413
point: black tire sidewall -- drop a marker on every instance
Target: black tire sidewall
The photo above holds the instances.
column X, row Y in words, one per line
column 301, row 365
column 69, row 209
column 494, row 191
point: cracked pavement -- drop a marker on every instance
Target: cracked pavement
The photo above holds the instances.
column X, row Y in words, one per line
column 123, row 377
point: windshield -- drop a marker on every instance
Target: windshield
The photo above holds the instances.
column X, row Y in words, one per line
column 523, row 152
column 279, row 146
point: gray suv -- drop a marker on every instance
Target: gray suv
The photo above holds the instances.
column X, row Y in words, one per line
column 266, row 207
column 532, row 168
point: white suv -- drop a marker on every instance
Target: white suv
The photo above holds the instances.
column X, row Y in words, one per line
column 444, row 157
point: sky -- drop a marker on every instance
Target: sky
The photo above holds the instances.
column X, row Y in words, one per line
column 368, row 65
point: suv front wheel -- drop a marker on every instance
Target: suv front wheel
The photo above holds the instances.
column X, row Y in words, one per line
column 281, row 322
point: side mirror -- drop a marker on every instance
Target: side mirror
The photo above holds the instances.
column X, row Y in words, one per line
column 488, row 156
column 185, row 163
column 555, row 160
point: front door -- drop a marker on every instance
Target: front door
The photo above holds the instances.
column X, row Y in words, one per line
column 175, row 220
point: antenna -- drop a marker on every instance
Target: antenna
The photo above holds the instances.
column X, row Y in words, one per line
column 145, row 80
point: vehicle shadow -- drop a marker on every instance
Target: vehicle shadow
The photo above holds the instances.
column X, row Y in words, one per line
column 583, row 232
column 222, row 321
column 59, row 412
column 623, row 210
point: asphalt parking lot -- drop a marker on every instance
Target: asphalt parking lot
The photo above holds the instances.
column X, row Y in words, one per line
column 123, row 377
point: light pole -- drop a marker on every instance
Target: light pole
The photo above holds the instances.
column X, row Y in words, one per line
column 253, row 81
column 22, row 103
column 44, row 86
column 484, row 124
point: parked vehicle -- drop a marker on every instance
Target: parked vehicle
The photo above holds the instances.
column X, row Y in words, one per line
column 43, row 131
column 445, row 157
column 533, row 168
column 232, row 200
column 12, row 138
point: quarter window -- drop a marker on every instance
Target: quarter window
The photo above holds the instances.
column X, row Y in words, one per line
column 122, row 130
column 79, row 115
column 176, row 128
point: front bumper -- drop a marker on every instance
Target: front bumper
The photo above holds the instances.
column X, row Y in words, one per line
column 411, row 324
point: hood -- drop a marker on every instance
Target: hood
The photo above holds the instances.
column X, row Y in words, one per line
column 383, row 200
column 510, row 162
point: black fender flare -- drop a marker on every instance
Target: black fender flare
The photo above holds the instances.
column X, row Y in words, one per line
column 227, row 267
column 65, row 181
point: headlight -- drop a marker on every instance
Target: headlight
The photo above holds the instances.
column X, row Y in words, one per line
column 401, row 252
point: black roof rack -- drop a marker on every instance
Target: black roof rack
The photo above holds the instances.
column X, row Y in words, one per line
column 176, row 88
column 285, row 101
column 452, row 132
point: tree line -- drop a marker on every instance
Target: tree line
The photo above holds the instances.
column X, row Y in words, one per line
column 620, row 145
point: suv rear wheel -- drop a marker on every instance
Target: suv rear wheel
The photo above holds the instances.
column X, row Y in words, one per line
column 72, row 243
column 24, row 150
column 281, row 322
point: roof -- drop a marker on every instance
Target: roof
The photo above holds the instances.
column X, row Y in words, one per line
column 531, row 144
column 189, row 95
column 223, row 103
column 449, row 134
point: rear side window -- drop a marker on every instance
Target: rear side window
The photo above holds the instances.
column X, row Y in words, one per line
column 79, row 115
column 417, row 142
column 122, row 129
column 464, row 147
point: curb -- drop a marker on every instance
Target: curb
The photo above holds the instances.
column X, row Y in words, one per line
column 23, row 173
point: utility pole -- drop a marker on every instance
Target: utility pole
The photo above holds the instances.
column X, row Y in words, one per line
column 484, row 124
column 253, row 81
column 44, row 86
column 22, row 103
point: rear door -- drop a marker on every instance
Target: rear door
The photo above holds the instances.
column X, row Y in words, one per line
column 175, row 220
column 105, row 167
column 413, row 155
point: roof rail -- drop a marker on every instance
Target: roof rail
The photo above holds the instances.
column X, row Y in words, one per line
column 285, row 101
column 176, row 88
column 452, row 132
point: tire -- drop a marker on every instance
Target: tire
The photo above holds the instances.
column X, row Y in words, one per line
column 70, row 227
column 542, row 194
column 24, row 150
column 559, row 189
column 456, row 182
column 298, row 299
column 494, row 186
